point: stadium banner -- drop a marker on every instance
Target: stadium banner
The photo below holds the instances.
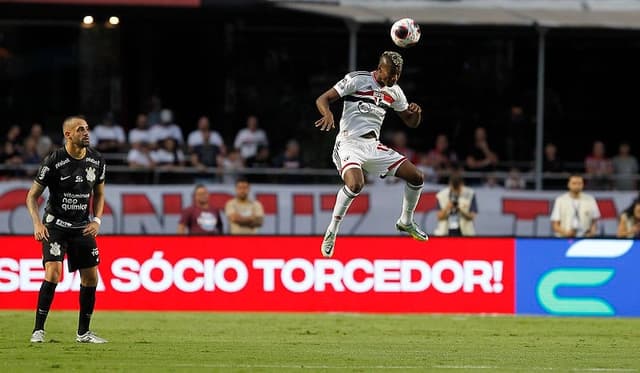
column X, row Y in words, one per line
column 589, row 277
column 306, row 209
column 276, row 273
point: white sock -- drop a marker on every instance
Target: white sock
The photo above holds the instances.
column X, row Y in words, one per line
column 409, row 202
column 343, row 201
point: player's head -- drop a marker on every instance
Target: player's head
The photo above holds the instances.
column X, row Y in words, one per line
column 76, row 131
column 201, row 195
column 389, row 68
column 575, row 184
column 242, row 188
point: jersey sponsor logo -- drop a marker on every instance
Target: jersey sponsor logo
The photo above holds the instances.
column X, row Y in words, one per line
column 43, row 172
column 91, row 174
column 91, row 160
column 79, row 179
column 54, row 249
column 62, row 163
column 95, row 252
column 65, row 177
column 364, row 107
column 64, row 224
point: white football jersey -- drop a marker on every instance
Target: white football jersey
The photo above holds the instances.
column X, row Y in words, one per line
column 366, row 103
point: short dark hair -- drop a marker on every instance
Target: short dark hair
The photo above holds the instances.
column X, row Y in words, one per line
column 242, row 179
column 392, row 58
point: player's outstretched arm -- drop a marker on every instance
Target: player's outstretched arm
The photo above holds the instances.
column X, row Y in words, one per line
column 326, row 123
column 412, row 116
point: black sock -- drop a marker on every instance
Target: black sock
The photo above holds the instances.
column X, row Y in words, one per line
column 87, row 302
column 45, row 298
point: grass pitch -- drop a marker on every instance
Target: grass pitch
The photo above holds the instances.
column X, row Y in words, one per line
column 266, row 342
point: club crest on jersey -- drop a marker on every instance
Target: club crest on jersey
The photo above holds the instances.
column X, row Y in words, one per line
column 378, row 96
column 54, row 249
column 91, row 174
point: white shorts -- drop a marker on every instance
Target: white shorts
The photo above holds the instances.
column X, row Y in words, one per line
column 369, row 155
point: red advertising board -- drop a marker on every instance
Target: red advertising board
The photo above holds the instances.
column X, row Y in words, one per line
column 277, row 273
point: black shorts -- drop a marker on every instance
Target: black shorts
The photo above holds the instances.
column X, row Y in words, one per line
column 82, row 251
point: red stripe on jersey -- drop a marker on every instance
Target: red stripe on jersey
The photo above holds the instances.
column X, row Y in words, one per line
column 364, row 93
column 396, row 163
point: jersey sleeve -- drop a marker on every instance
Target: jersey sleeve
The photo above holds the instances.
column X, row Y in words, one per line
column 43, row 177
column 400, row 103
column 184, row 217
column 346, row 86
column 103, row 171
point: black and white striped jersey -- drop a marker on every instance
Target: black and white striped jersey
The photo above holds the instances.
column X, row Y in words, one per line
column 366, row 103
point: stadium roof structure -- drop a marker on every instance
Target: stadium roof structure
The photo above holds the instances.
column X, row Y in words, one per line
column 616, row 14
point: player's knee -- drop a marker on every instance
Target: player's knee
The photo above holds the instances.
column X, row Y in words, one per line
column 355, row 186
column 417, row 178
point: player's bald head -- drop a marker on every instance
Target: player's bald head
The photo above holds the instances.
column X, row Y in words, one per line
column 71, row 122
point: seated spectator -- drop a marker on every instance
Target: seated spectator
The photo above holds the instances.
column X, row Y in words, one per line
column 290, row 159
column 399, row 144
column 205, row 146
column 552, row 167
column 442, row 158
column 140, row 133
column 166, row 129
column 248, row 139
column 44, row 145
column 13, row 137
column 262, row 159
column 424, row 164
column 139, row 156
column 230, row 165
column 30, row 154
column 514, row 180
column 629, row 222
column 598, row 168
column 168, row 155
column 481, row 158
column 109, row 136
column 155, row 109
column 625, row 168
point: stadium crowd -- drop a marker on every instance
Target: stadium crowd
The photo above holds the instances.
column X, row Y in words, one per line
column 156, row 143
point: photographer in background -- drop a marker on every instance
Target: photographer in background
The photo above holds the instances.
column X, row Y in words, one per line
column 457, row 208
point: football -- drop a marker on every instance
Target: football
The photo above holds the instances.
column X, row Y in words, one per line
column 405, row 32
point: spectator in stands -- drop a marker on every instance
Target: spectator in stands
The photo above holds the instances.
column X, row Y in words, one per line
column 205, row 145
column 262, row 159
column 514, row 180
column 625, row 168
column 492, row 181
column 108, row 136
column 552, row 167
column 599, row 168
column 139, row 155
column 399, row 143
column 155, row 109
column 290, row 159
column 481, row 158
column 457, row 208
column 166, row 129
column 575, row 213
column 140, row 133
column 245, row 215
column 423, row 163
column 629, row 222
column 200, row 217
column 11, row 151
column 442, row 158
column 168, row 156
column 248, row 139
column 14, row 138
column 230, row 166
column 44, row 145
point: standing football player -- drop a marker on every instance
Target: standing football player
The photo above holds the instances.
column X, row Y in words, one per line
column 74, row 174
column 367, row 97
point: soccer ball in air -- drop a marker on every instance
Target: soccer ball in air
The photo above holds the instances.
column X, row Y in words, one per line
column 405, row 32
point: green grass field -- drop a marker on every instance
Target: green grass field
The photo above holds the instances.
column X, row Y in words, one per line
column 267, row 342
